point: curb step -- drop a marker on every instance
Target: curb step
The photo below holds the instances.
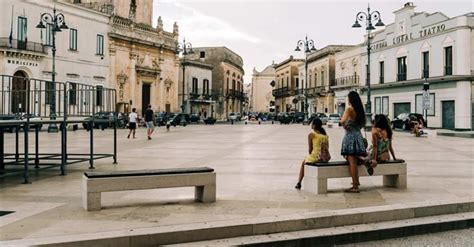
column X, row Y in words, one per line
column 349, row 234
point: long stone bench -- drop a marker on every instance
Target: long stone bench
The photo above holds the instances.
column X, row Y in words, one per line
column 394, row 174
column 94, row 183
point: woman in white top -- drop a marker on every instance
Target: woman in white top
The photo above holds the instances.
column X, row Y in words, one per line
column 132, row 122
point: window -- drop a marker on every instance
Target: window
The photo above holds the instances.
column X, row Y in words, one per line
column 322, row 78
column 381, row 72
column 227, row 88
column 378, row 105
column 205, row 89
column 419, row 104
column 49, row 91
column 309, row 79
column 233, row 84
column 448, row 60
column 385, row 105
column 49, row 34
column 195, row 86
column 98, row 96
column 426, row 64
column 72, row 93
column 100, row 45
column 297, row 83
column 402, row 68
column 21, row 35
column 287, row 81
column 202, row 54
column 73, row 39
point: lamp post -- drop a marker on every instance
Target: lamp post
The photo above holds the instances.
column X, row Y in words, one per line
column 308, row 46
column 185, row 48
column 58, row 22
column 368, row 17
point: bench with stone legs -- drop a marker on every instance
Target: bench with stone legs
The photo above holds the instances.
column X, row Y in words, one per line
column 394, row 174
column 94, row 183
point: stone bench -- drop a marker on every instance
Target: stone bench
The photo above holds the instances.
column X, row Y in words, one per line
column 94, row 183
column 394, row 174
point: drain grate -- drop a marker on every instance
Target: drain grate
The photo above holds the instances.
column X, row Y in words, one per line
column 3, row 213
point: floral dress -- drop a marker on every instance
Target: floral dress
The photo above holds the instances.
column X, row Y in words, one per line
column 353, row 142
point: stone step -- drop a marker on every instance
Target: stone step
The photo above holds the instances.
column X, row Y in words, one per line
column 185, row 233
column 348, row 234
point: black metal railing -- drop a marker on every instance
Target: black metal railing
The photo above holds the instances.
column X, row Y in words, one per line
column 281, row 92
column 298, row 91
column 346, row 81
column 22, row 45
column 311, row 92
column 448, row 70
column 401, row 77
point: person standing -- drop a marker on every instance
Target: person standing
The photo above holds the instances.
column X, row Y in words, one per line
column 353, row 145
column 132, row 122
column 150, row 127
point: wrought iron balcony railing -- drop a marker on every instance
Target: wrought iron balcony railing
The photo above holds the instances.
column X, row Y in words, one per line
column 22, row 45
column 346, row 81
column 281, row 92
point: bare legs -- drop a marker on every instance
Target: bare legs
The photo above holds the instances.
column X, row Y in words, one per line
column 130, row 132
column 300, row 178
column 352, row 160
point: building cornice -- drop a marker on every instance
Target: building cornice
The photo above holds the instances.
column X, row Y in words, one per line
column 197, row 64
column 420, row 81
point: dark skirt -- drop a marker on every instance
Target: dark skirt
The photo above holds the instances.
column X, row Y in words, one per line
column 353, row 144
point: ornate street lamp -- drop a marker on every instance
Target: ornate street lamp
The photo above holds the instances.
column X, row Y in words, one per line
column 368, row 17
column 308, row 46
column 185, row 49
column 58, row 22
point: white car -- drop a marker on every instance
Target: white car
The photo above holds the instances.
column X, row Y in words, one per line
column 334, row 119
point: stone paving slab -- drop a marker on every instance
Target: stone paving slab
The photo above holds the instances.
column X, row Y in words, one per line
column 256, row 166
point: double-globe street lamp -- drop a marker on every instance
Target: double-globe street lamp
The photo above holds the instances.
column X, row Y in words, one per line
column 185, row 49
column 308, row 46
column 368, row 17
column 57, row 22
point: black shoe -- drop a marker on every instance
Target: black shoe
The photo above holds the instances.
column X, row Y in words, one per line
column 298, row 186
column 370, row 170
column 149, row 138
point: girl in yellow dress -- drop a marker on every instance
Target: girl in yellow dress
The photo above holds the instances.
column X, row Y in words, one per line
column 318, row 148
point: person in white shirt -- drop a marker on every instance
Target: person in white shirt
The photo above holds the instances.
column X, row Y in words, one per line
column 132, row 122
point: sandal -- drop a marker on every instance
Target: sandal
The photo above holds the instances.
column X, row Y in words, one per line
column 370, row 170
column 298, row 186
column 352, row 190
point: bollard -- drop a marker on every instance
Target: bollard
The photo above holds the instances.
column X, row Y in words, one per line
column 245, row 122
column 272, row 121
column 258, row 121
column 232, row 121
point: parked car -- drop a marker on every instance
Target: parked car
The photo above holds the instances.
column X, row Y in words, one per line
column 32, row 117
column 194, row 118
column 285, row 118
column 105, row 115
column 176, row 119
column 210, row 121
column 10, row 129
column 272, row 116
column 299, row 117
column 234, row 116
column 404, row 121
column 334, row 119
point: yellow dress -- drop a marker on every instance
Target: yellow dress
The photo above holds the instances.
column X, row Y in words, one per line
column 318, row 141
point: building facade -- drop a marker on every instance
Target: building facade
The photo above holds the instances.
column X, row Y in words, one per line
column 347, row 76
column 261, row 97
column 227, row 78
column 287, row 85
column 198, row 88
column 26, row 51
column 143, row 60
column 421, row 47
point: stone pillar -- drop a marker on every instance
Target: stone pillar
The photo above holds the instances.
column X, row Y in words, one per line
column 133, row 82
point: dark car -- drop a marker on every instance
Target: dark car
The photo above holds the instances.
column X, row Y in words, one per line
column 163, row 117
column 299, row 117
column 210, row 121
column 324, row 118
column 272, row 116
column 101, row 117
column 194, row 118
column 176, row 119
column 404, row 121
column 9, row 128
column 285, row 118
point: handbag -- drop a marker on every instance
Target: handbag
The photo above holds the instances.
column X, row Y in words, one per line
column 324, row 156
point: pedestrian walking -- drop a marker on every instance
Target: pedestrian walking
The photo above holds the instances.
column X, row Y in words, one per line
column 132, row 122
column 353, row 144
column 149, row 121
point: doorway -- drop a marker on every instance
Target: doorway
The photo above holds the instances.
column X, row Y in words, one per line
column 447, row 114
column 18, row 92
column 145, row 96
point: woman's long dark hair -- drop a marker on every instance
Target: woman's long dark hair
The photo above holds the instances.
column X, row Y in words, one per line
column 381, row 121
column 356, row 103
column 317, row 125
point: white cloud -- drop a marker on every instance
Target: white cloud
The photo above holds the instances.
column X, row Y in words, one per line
column 198, row 27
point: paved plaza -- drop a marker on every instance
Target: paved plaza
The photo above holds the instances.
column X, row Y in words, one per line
column 256, row 166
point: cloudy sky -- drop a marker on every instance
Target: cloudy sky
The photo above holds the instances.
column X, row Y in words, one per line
column 262, row 31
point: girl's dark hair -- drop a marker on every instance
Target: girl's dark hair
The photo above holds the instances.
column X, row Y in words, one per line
column 356, row 103
column 317, row 125
column 381, row 121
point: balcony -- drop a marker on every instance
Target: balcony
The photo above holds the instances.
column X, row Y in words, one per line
column 281, row 92
column 314, row 91
column 22, row 45
column 298, row 91
column 448, row 70
column 402, row 77
column 236, row 94
column 347, row 81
